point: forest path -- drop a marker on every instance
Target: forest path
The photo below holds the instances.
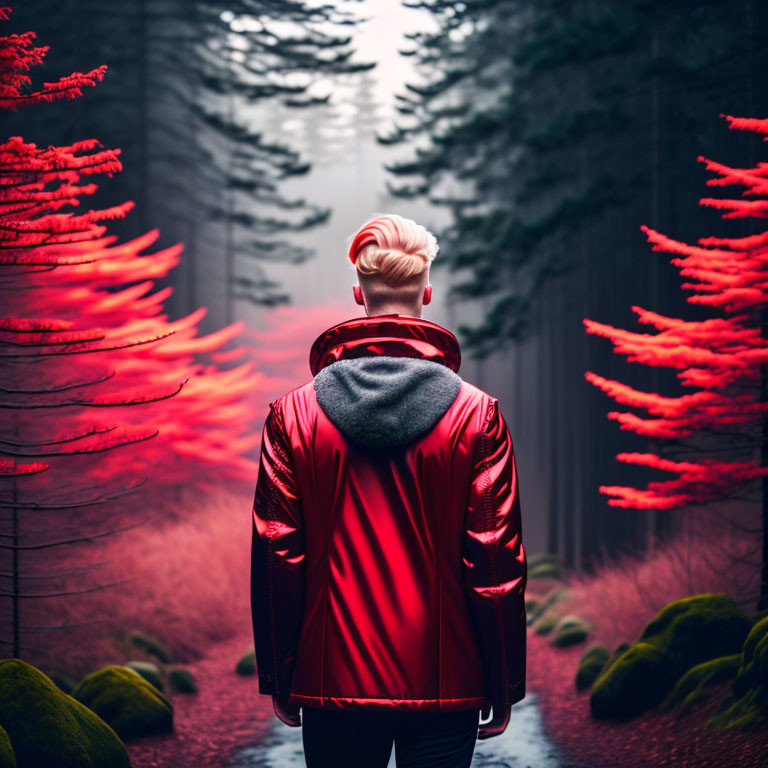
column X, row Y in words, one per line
column 228, row 724
column 524, row 744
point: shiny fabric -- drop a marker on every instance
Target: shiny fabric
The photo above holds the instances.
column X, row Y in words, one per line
column 388, row 579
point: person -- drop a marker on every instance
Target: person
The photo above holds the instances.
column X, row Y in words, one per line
column 387, row 570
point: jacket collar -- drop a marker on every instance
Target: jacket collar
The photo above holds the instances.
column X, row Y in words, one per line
column 393, row 334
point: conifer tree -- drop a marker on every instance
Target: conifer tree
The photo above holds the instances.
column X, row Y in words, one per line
column 185, row 77
column 721, row 362
column 548, row 130
column 538, row 122
column 105, row 406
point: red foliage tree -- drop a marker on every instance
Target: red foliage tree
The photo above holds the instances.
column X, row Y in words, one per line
column 723, row 360
column 100, row 392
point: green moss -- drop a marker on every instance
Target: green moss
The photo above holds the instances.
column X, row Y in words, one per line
column 685, row 633
column 637, row 679
column 592, row 662
column 748, row 708
column 545, row 569
column 745, row 713
column 570, row 630
column 688, row 690
column 552, row 598
column 7, row 758
column 149, row 671
column 531, row 606
column 246, row 664
column 182, row 680
column 617, row 654
column 749, row 672
column 151, row 644
column 543, row 557
column 130, row 704
column 546, row 624
column 620, row 648
column 49, row 728
column 697, row 629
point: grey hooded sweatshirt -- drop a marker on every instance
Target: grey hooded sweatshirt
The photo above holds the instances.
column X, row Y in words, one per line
column 384, row 401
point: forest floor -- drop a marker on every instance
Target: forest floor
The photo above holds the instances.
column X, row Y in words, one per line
column 225, row 715
column 648, row 740
column 216, row 727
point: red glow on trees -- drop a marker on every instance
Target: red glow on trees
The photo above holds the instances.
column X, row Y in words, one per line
column 723, row 359
column 99, row 391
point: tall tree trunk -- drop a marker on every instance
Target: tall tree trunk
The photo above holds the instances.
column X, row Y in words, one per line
column 563, row 451
column 15, row 555
column 74, row 19
column 190, row 249
column 653, row 445
column 143, row 98
column 555, row 377
column 229, row 254
column 763, row 599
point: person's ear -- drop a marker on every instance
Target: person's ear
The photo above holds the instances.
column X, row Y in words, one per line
column 427, row 293
column 358, row 294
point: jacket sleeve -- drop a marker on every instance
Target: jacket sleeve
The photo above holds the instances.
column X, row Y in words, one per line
column 495, row 565
column 277, row 562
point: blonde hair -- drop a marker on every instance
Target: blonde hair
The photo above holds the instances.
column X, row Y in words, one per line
column 393, row 247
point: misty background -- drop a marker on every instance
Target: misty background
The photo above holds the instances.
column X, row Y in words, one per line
column 264, row 157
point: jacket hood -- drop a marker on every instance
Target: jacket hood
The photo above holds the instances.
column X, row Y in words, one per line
column 387, row 379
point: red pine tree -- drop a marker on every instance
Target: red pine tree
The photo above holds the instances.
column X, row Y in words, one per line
column 722, row 361
column 99, row 391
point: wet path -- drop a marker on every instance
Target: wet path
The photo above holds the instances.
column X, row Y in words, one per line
column 523, row 745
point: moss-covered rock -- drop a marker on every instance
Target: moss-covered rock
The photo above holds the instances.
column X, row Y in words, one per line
column 128, row 702
column 149, row 671
column 746, row 713
column 682, row 635
column 151, row 644
column 531, row 607
column 543, row 557
column 748, row 708
column 545, row 566
column 570, row 630
column 47, row 727
column 698, row 628
column 620, row 649
column 545, row 624
column 182, row 680
column 755, row 648
column 636, row 680
column 591, row 664
column 688, row 690
column 246, row 665
column 545, row 605
column 7, row 758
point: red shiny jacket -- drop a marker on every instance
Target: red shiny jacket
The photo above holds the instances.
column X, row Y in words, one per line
column 393, row 581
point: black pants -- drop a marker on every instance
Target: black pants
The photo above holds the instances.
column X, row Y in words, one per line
column 355, row 738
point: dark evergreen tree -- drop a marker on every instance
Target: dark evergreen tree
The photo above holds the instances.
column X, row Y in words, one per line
column 182, row 77
column 550, row 130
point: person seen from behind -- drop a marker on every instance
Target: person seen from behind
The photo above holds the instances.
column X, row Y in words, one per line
column 388, row 571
